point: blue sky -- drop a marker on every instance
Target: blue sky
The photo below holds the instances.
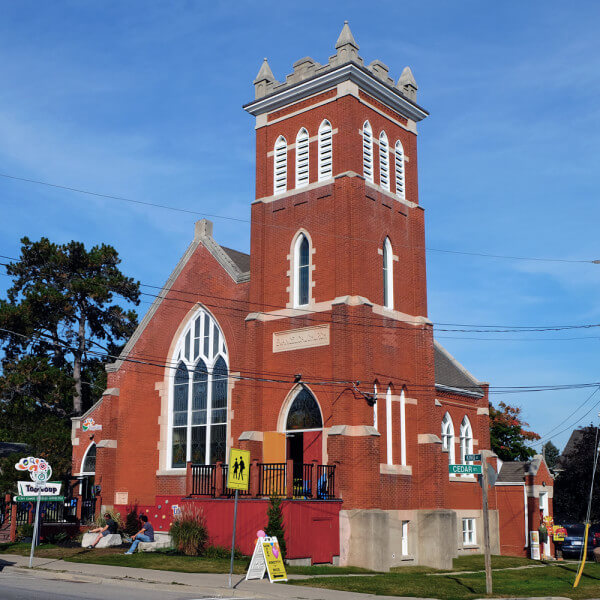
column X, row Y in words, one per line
column 143, row 100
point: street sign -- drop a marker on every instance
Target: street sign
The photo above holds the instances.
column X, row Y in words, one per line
column 239, row 469
column 42, row 498
column 465, row 469
column 472, row 457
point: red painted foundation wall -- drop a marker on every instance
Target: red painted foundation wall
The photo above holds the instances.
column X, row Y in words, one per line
column 311, row 527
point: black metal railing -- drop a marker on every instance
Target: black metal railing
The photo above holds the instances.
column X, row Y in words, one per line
column 303, row 480
column 228, row 491
column 88, row 510
column 203, row 480
column 271, row 479
column 326, row 482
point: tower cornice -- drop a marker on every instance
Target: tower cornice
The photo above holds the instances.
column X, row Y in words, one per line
column 351, row 71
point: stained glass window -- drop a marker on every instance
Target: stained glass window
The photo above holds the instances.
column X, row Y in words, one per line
column 304, row 412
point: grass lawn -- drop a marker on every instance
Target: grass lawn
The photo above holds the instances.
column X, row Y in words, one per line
column 552, row 580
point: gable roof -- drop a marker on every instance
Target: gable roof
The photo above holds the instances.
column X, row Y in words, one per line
column 512, row 472
column 241, row 259
column 451, row 376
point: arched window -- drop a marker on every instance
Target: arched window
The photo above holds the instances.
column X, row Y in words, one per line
column 280, row 166
column 402, row 427
column 448, row 437
column 198, row 419
column 301, row 271
column 88, row 464
column 384, row 162
column 388, row 274
column 399, row 160
column 302, row 155
column 304, row 412
column 466, row 440
column 375, row 406
column 388, row 426
column 325, row 151
column 368, row 151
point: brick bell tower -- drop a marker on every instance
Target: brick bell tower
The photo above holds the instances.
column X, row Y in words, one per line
column 338, row 292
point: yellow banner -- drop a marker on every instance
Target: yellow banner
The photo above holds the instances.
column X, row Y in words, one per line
column 274, row 560
column 238, row 474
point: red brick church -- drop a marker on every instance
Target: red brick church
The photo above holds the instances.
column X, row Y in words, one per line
column 314, row 352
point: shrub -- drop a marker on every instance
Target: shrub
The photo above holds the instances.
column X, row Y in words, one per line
column 189, row 533
column 221, row 552
column 24, row 531
column 100, row 521
column 132, row 521
column 274, row 527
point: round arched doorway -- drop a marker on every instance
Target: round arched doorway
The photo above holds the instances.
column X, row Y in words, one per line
column 304, row 432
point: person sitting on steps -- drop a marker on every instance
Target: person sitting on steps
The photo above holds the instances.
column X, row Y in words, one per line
column 145, row 534
column 109, row 529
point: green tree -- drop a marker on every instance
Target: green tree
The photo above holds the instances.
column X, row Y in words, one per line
column 551, row 454
column 508, row 437
column 60, row 306
column 572, row 484
column 274, row 526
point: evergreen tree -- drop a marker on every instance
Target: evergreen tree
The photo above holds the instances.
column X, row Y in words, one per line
column 508, row 437
column 275, row 527
column 551, row 454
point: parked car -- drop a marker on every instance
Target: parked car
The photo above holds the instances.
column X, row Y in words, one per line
column 573, row 543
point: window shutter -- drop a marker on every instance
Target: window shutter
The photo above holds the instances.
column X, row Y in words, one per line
column 280, row 166
column 368, row 152
column 325, row 151
column 384, row 162
column 302, row 155
column 400, row 188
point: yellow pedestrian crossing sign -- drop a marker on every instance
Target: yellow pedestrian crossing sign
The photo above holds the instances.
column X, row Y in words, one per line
column 238, row 474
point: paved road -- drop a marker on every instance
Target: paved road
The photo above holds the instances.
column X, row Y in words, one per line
column 22, row 586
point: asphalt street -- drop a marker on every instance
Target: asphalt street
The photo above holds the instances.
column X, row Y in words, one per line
column 22, row 586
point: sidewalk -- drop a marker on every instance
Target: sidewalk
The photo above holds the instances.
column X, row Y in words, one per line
column 201, row 584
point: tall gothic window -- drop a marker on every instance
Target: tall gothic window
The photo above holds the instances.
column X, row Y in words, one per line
column 198, row 414
column 448, row 437
column 301, row 271
column 388, row 274
column 304, row 412
column 368, row 151
column 384, row 162
column 88, row 464
column 325, row 151
column 280, row 166
column 375, row 424
column 388, row 426
column 399, row 162
column 466, row 440
column 302, row 156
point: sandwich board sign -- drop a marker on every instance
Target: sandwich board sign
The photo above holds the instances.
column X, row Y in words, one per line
column 267, row 557
column 238, row 474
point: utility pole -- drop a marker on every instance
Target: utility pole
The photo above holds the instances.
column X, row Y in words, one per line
column 486, row 522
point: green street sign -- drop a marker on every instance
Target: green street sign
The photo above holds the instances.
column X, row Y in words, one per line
column 465, row 469
column 42, row 498
column 472, row 457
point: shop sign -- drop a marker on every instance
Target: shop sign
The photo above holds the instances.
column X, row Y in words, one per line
column 267, row 557
column 465, row 469
column 90, row 425
column 239, row 469
column 27, row 488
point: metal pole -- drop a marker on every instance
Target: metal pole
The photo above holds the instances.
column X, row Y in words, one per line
column 486, row 524
column 233, row 535
column 35, row 526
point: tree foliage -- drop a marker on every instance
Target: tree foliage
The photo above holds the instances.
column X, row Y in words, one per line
column 274, row 526
column 508, row 436
column 572, row 484
column 551, row 454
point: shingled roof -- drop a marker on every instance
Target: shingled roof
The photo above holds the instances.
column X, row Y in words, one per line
column 241, row 259
column 449, row 373
column 512, row 472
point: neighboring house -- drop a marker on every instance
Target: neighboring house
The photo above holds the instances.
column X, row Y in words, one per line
column 524, row 492
column 314, row 352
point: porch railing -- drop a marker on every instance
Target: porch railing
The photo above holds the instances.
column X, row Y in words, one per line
column 310, row 481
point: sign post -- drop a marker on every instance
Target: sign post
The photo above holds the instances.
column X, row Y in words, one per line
column 486, row 529
column 39, row 472
column 238, row 478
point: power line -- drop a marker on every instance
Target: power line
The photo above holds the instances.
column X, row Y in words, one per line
column 227, row 218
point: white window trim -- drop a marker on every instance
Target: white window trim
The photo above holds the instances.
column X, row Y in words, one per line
column 384, row 161
column 179, row 357
column 469, row 533
column 302, row 158
column 325, row 149
column 296, row 270
column 81, row 471
column 388, row 258
column 404, row 541
column 466, row 440
column 400, row 170
column 375, row 424
column 388, row 426
column 280, row 166
column 402, row 428
column 367, row 135
column 448, row 434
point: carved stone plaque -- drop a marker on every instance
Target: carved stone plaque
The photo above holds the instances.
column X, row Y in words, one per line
column 296, row 339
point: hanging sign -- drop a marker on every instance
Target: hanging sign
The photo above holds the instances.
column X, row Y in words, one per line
column 26, row 488
column 90, row 425
column 465, row 469
column 238, row 474
column 267, row 557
